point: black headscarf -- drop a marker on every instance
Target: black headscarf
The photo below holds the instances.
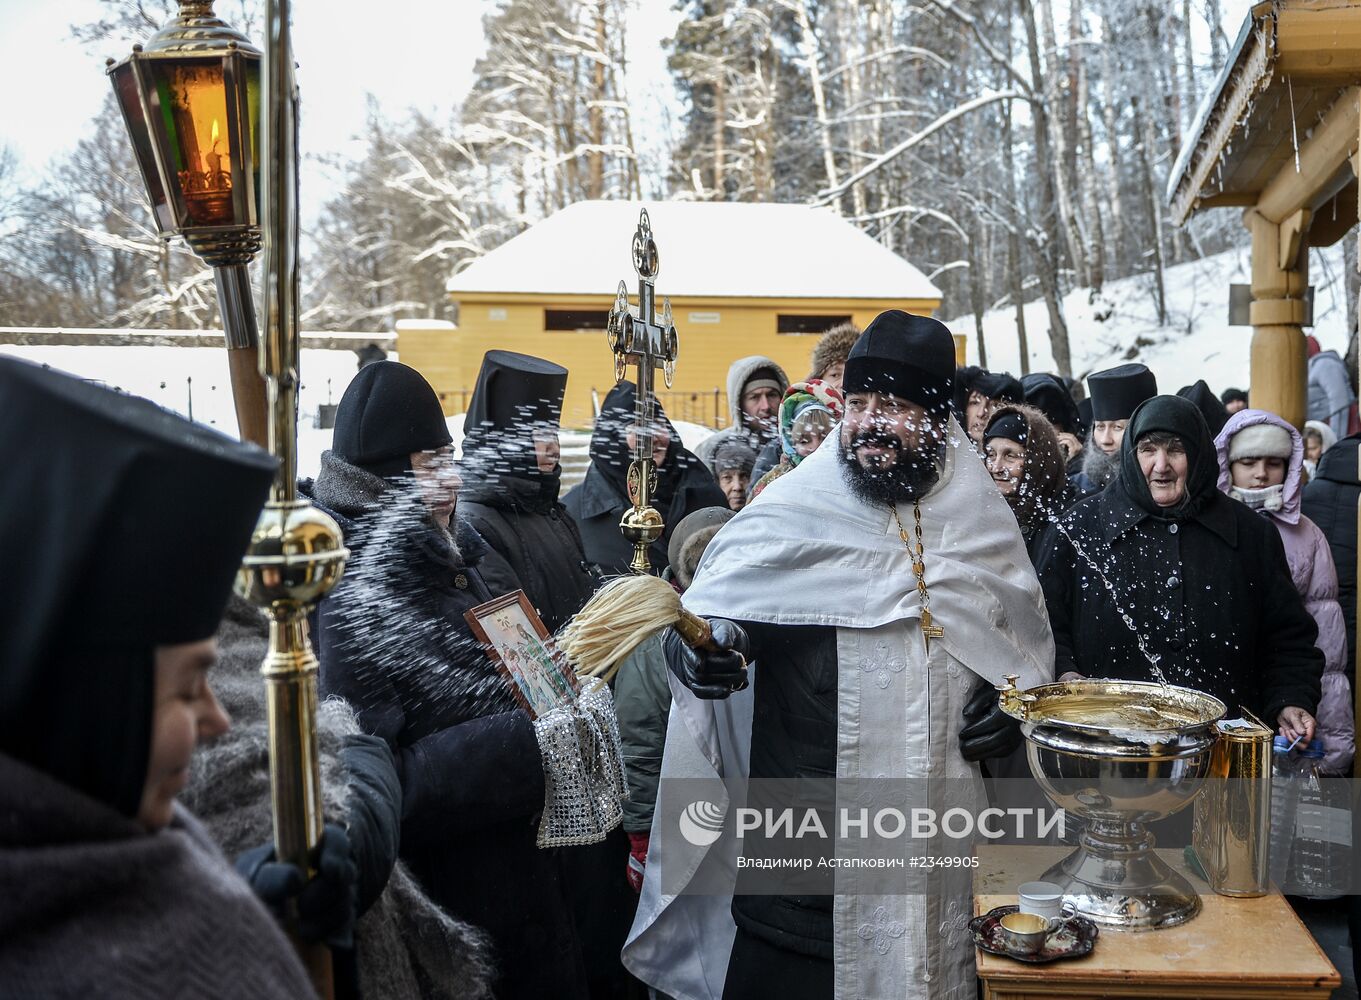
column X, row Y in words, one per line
column 1048, row 394
column 515, row 395
column 1039, row 496
column 1170, row 415
column 610, row 455
column 993, row 385
column 1215, row 413
column 124, row 526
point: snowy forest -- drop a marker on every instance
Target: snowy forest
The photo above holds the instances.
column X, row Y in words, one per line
column 1013, row 149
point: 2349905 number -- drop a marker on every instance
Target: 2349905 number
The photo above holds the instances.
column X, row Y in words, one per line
column 928, row 861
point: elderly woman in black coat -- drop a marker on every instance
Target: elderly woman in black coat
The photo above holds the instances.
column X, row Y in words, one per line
column 393, row 642
column 1202, row 579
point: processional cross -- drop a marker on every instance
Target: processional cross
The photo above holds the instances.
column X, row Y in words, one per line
column 643, row 341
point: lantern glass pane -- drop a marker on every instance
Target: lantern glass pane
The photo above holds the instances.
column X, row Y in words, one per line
column 125, row 90
column 192, row 101
column 253, row 116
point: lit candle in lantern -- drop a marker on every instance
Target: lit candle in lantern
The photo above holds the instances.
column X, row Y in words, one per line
column 214, row 160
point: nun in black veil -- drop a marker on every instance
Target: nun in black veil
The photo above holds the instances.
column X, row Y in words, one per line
column 121, row 529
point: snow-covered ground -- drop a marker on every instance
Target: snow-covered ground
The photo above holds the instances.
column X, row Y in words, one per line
column 175, row 376
column 1122, row 324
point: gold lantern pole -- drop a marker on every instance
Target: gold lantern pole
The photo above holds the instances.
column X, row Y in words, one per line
column 297, row 553
column 641, row 340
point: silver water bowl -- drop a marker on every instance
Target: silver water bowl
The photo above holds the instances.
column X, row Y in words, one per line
column 1118, row 755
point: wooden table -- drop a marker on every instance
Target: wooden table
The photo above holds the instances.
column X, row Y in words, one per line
column 1242, row 948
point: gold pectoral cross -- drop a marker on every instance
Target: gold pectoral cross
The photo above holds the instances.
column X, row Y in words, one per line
column 930, row 630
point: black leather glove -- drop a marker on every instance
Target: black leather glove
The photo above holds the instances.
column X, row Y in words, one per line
column 326, row 903
column 988, row 731
column 707, row 673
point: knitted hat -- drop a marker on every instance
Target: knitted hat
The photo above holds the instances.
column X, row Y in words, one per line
column 1040, row 493
column 388, row 411
column 689, row 539
column 762, row 378
column 832, row 348
column 912, row 357
column 994, row 385
column 734, row 453
column 1261, row 441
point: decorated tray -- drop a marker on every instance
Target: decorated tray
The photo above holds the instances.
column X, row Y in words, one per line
column 1073, row 939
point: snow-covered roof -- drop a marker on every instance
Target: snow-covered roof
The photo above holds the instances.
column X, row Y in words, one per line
column 708, row 249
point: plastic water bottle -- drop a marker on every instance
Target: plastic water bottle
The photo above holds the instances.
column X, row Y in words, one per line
column 1320, row 859
column 1286, row 779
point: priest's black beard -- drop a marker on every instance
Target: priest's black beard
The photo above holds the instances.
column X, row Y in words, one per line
column 911, row 477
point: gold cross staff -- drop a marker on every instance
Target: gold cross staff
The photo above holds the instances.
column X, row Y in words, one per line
column 643, row 341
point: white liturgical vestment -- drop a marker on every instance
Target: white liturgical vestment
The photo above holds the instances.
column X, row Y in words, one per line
column 808, row 551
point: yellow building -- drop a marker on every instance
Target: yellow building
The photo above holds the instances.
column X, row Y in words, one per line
column 742, row 279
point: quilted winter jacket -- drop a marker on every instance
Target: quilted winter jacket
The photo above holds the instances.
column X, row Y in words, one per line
column 1315, row 577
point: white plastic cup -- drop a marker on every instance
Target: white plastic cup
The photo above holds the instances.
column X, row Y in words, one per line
column 1044, row 899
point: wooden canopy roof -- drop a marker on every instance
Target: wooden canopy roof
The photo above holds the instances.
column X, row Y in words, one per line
column 1281, row 124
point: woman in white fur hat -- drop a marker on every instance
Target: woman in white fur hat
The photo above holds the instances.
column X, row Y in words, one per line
column 1261, row 458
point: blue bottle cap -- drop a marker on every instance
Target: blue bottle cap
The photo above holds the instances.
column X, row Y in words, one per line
column 1280, row 744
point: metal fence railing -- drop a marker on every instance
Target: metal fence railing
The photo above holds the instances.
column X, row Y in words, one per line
column 462, row 395
column 707, row 408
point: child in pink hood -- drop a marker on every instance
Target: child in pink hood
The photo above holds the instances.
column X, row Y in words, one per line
column 1260, row 462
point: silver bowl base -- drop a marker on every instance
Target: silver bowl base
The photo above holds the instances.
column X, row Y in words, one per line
column 1131, row 890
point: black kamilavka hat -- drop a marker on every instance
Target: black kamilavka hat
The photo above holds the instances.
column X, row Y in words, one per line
column 1117, row 392
column 516, row 390
column 124, row 526
column 515, row 395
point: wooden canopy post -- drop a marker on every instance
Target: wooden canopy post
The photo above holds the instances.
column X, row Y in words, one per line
column 1280, row 280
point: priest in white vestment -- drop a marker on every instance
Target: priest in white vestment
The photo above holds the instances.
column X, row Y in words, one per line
column 877, row 592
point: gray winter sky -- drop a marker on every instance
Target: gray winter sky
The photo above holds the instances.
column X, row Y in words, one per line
column 408, row 55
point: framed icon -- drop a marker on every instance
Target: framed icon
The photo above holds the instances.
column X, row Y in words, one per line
column 519, row 645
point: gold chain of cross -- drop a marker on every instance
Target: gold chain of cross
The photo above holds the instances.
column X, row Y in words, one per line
column 930, row 630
